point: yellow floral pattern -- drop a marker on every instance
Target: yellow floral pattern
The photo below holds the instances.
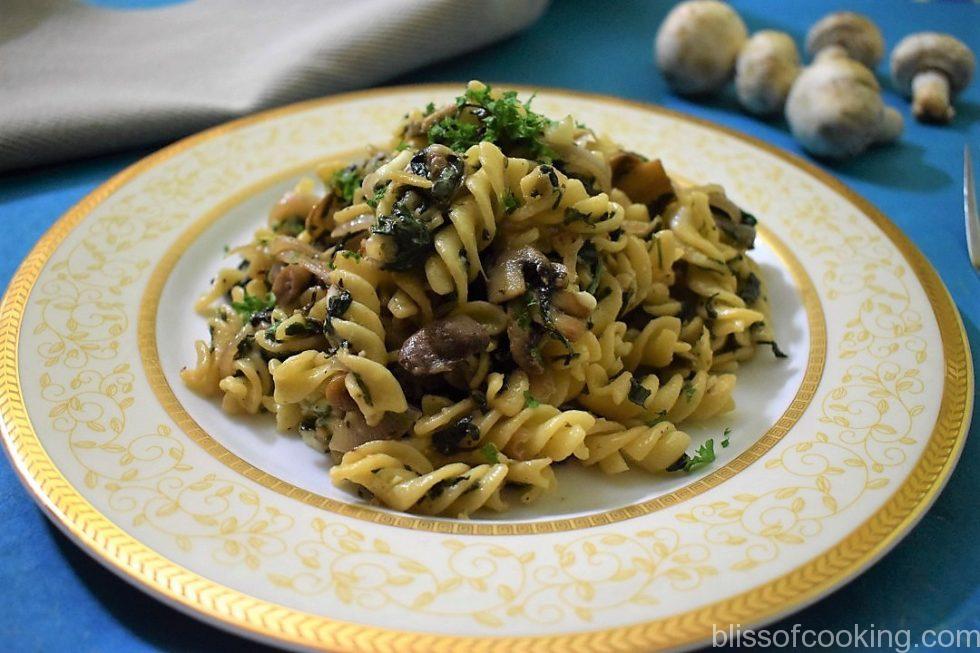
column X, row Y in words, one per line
column 645, row 579
column 489, row 583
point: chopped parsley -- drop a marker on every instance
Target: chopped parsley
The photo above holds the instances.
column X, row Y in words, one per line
column 704, row 455
column 530, row 401
column 688, row 390
column 252, row 304
column 344, row 182
column 638, row 394
column 490, row 453
column 727, row 440
column 413, row 241
column 293, row 226
column 510, row 202
column 379, row 193
column 503, row 120
column 455, row 135
column 430, row 108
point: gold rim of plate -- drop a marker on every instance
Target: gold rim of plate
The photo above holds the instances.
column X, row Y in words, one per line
column 234, row 610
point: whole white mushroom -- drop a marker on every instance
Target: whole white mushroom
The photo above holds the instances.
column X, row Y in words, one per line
column 835, row 109
column 765, row 70
column 932, row 69
column 697, row 44
column 848, row 33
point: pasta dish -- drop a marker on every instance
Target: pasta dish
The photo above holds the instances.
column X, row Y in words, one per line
column 492, row 294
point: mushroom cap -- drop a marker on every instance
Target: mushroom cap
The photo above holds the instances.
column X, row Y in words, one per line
column 859, row 37
column 765, row 70
column 696, row 45
column 932, row 51
column 835, row 109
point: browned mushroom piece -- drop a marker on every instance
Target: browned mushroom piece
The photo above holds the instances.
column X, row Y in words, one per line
column 523, row 347
column 569, row 314
column 729, row 218
column 352, row 430
column 443, row 345
column 320, row 218
column 289, row 284
column 337, row 396
column 643, row 181
column 515, row 268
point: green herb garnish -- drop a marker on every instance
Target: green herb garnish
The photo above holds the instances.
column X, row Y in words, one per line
column 510, row 202
column 489, row 451
column 379, row 194
column 344, row 182
column 726, row 441
column 252, row 304
column 530, row 401
column 688, row 390
column 503, row 120
column 704, row 455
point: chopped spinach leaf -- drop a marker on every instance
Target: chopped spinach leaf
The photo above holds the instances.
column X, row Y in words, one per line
column 461, row 436
column 638, row 394
column 412, row 239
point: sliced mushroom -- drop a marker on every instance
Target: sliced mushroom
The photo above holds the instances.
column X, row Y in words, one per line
column 443, row 345
column 352, row 430
column 337, row 396
column 320, row 218
column 523, row 347
column 516, row 268
column 289, row 284
column 643, row 181
column 575, row 304
column 729, row 218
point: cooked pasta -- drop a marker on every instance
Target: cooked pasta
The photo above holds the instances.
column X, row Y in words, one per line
column 492, row 293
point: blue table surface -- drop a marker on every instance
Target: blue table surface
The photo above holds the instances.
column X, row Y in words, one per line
column 60, row 599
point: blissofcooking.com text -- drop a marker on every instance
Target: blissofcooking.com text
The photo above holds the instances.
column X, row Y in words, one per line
column 856, row 637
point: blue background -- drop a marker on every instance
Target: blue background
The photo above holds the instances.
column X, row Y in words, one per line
column 57, row 598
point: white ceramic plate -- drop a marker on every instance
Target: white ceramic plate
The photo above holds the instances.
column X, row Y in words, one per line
column 835, row 452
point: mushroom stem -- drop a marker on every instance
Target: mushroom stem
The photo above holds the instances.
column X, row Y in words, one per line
column 930, row 97
column 831, row 52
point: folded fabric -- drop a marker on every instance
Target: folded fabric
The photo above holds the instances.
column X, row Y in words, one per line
column 78, row 80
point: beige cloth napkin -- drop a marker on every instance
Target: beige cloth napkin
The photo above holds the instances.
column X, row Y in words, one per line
column 78, row 80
